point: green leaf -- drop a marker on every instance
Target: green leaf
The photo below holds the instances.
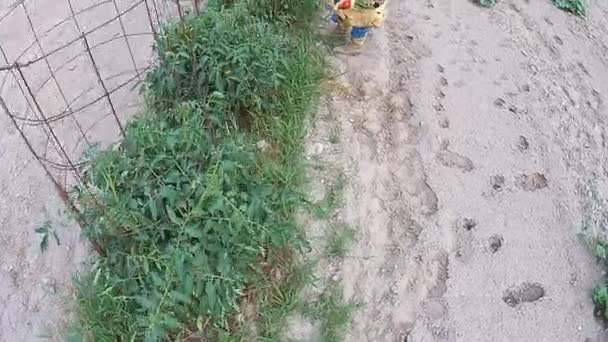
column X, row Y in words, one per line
column 600, row 251
column 211, row 294
column 172, row 216
column 44, row 243
column 194, row 232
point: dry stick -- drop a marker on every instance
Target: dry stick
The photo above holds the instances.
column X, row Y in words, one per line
column 103, row 85
column 180, row 12
column 196, row 4
column 149, row 17
column 124, row 32
column 48, row 65
column 158, row 22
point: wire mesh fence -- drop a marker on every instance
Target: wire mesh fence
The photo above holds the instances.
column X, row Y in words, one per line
column 71, row 84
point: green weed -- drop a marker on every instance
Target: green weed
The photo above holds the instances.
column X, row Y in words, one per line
column 340, row 238
column 197, row 223
column 333, row 312
column 334, row 135
column 46, row 230
column 332, row 199
column 600, row 299
column 190, row 220
column 578, row 7
column 486, row 3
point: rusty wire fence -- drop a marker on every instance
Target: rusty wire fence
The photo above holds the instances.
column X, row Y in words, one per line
column 71, row 83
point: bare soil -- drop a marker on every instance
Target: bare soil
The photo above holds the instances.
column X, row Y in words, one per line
column 474, row 141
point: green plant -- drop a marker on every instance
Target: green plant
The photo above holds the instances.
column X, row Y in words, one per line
column 340, row 239
column 334, row 134
column 486, row 3
column 197, row 223
column 578, row 7
column 284, row 11
column 230, row 54
column 600, row 298
column 332, row 199
column 185, row 221
column 45, row 230
column 333, row 313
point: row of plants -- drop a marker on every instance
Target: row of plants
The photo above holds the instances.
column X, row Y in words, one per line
column 195, row 210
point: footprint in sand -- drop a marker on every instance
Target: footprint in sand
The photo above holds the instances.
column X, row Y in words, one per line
column 523, row 293
column 451, row 159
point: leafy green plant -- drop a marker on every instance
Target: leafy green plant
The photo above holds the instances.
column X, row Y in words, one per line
column 232, row 55
column 45, row 231
column 600, row 299
column 284, row 11
column 195, row 220
column 333, row 313
column 578, row 7
column 186, row 222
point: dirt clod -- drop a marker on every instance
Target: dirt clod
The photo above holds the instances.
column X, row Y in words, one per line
column 531, row 182
column 499, row 102
column 495, row 243
column 522, row 143
column 468, row 224
column 497, row 182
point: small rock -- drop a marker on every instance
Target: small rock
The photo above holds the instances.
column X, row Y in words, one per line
column 443, row 81
column 512, row 109
column 318, row 148
column 497, row 182
column 469, row 223
column 262, row 145
column 499, row 102
column 444, row 122
column 496, row 242
column 440, row 68
column 522, row 143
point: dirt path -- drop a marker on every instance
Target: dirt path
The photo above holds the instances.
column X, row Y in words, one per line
column 474, row 142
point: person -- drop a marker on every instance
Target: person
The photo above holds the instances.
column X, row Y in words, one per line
column 357, row 34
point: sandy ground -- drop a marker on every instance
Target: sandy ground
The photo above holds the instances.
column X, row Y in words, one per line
column 474, row 143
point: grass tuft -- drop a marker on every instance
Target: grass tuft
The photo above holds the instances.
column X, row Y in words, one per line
column 333, row 312
column 340, row 240
column 577, row 7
